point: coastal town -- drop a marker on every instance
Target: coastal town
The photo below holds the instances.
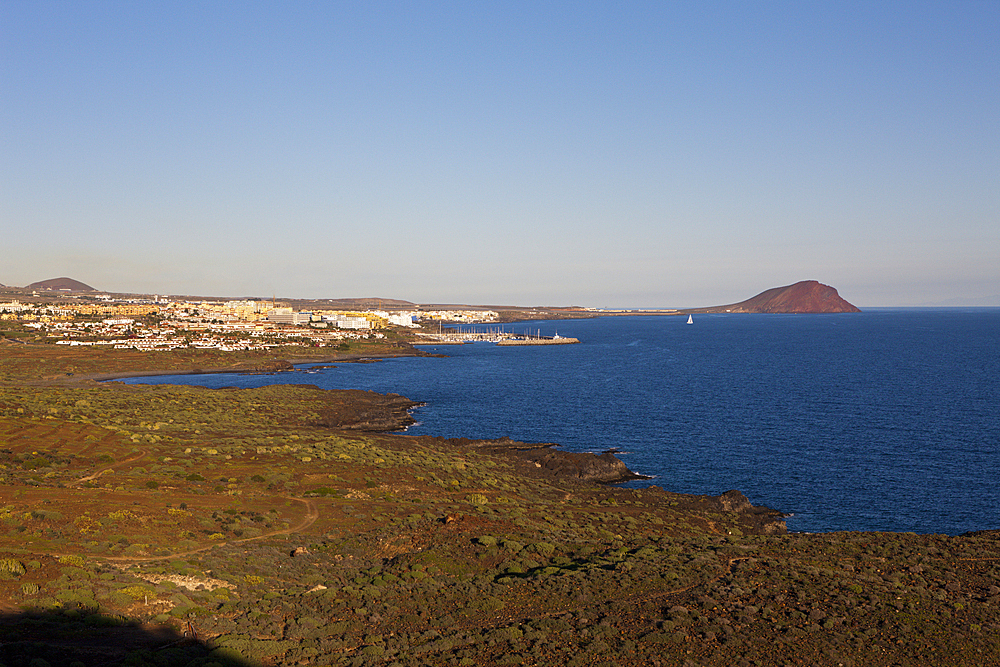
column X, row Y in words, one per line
column 162, row 324
column 67, row 312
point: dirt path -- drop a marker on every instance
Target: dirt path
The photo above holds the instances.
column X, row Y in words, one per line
column 109, row 468
column 312, row 513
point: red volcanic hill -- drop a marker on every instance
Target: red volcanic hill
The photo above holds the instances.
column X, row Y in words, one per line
column 808, row 296
column 60, row 285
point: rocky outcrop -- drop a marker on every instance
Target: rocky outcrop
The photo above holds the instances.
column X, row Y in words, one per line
column 604, row 468
column 545, row 460
column 755, row 519
column 357, row 410
column 766, row 520
column 807, row 296
column 274, row 366
column 734, row 501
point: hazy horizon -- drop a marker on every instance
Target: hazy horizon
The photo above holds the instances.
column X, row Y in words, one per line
column 987, row 302
column 590, row 153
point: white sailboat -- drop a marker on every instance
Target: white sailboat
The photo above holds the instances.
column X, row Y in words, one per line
column 690, row 320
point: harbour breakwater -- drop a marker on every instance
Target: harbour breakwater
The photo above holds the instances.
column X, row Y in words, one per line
column 558, row 340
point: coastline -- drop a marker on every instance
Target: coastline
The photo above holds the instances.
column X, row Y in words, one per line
column 275, row 366
column 581, row 467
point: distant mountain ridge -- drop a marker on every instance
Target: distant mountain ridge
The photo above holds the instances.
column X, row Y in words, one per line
column 60, row 285
column 807, row 296
column 358, row 303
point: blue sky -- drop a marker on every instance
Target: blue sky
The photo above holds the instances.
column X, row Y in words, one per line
column 593, row 153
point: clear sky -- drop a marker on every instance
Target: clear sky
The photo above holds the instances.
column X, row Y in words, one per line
column 623, row 154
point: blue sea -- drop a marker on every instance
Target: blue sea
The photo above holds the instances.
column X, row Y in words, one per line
column 884, row 420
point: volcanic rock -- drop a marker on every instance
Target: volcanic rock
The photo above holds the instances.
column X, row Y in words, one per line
column 60, row 285
column 807, row 296
column 604, row 468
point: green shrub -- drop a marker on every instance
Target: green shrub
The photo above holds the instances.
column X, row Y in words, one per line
column 512, row 546
column 489, row 604
column 137, row 591
column 12, row 566
column 505, row 634
column 543, row 548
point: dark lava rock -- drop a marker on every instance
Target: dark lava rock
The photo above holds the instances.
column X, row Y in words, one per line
column 358, row 410
column 734, row 501
column 604, row 468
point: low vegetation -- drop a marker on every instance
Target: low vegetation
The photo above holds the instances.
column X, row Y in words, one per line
column 168, row 525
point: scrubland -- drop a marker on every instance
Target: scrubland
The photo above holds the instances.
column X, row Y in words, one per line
column 170, row 525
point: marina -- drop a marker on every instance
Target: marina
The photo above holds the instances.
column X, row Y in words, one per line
column 493, row 335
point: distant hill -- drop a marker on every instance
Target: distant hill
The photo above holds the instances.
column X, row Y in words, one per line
column 60, row 285
column 808, row 296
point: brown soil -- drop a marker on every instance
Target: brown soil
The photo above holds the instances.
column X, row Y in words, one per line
column 341, row 544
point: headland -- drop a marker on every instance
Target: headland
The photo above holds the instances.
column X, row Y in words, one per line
column 807, row 296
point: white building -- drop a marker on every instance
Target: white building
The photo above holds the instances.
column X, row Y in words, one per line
column 346, row 322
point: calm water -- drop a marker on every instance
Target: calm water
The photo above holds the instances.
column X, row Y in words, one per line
column 883, row 420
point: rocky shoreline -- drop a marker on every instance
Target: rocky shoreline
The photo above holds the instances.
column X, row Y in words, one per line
column 546, row 461
column 371, row 412
column 270, row 366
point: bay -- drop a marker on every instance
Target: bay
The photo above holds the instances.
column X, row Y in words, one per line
column 881, row 420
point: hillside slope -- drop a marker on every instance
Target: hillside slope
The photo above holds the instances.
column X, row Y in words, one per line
column 61, row 285
column 807, row 296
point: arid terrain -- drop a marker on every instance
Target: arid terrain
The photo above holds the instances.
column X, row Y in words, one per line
column 806, row 296
column 170, row 525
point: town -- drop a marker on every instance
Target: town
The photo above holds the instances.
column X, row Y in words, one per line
column 160, row 324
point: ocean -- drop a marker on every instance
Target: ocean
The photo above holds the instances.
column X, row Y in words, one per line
column 886, row 420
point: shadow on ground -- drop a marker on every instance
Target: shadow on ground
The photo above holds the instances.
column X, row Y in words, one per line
column 90, row 638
